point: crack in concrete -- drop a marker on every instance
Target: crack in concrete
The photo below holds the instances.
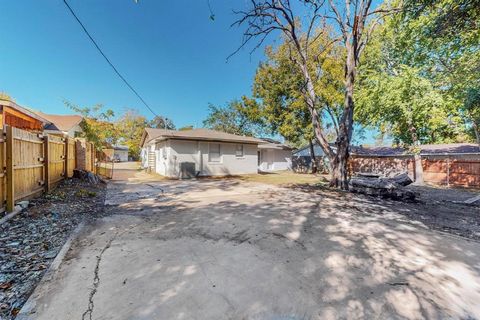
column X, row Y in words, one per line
column 96, row 281
column 96, row 278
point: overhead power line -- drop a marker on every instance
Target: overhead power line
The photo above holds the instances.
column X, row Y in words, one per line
column 106, row 58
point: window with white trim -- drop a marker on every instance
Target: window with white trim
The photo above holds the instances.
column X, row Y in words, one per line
column 239, row 151
column 214, row 152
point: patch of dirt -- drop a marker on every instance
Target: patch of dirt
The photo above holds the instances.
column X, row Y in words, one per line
column 31, row 240
column 434, row 207
column 442, row 194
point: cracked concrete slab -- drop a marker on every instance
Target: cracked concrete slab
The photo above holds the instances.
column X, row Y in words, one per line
column 225, row 249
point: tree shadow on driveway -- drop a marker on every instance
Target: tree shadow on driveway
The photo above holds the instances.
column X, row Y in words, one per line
column 334, row 256
column 250, row 251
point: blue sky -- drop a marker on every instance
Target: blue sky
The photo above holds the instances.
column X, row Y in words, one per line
column 169, row 50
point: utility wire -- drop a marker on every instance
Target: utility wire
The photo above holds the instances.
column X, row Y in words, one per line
column 108, row 60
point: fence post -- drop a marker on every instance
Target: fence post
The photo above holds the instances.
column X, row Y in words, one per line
column 66, row 157
column 10, row 171
column 46, row 162
column 448, row 171
column 93, row 158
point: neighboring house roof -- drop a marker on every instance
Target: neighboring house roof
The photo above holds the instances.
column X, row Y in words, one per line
column 305, row 151
column 23, row 110
column 273, row 144
column 118, row 147
column 61, row 122
column 195, row 134
column 426, row 149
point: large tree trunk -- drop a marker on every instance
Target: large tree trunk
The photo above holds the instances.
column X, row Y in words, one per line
column 418, row 169
column 312, row 156
column 339, row 171
column 340, row 164
column 476, row 129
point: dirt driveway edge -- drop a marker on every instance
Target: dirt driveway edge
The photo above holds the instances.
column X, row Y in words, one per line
column 29, row 307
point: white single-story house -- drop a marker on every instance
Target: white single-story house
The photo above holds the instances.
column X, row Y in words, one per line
column 198, row 152
column 117, row 153
column 274, row 156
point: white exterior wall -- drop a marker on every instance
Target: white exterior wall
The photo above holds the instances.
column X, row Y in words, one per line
column 197, row 152
column 275, row 160
column 144, row 153
column 76, row 128
column 122, row 155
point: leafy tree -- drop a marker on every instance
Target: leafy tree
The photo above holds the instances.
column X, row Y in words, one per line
column 186, row 128
column 278, row 85
column 160, row 122
column 355, row 21
column 412, row 111
column 471, row 109
column 97, row 125
column 418, row 73
column 5, row 96
column 130, row 128
column 235, row 117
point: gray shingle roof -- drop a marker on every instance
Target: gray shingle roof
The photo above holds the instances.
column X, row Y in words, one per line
column 426, row 149
column 198, row 134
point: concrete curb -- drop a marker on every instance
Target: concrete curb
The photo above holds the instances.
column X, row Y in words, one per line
column 28, row 310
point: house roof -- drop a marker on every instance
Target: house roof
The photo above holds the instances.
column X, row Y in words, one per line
column 195, row 134
column 426, row 149
column 61, row 122
column 23, row 110
column 273, row 144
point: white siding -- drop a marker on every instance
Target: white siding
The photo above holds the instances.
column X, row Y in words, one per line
column 197, row 152
column 161, row 158
column 122, row 155
column 275, row 159
column 76, row 128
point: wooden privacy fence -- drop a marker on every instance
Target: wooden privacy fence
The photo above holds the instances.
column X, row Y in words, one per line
column 457, row 171
column 103, row 165
column 34, row 163
column 448, row 170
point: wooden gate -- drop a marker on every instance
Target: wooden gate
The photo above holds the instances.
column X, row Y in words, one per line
column 56, row 159
column 25, row 159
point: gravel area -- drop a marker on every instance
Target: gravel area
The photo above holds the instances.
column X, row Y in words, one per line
column 31, row 240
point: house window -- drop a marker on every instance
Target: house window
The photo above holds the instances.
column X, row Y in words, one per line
column 239, row 151
column 214, row 152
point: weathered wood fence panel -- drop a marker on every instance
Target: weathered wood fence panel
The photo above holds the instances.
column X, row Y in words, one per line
column 56, row 159
column 3, row 176
column 28, row 163
column 451, row 170
column 35, row 162
column 70, row 144
column 103, row 165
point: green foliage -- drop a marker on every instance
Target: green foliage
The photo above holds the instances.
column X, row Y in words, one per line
column 236, row 117
column 97, row 125
column 5, row 96
column 279, row 87
column 160, row 122
column 414, row 76
column 130, row 128
column 186, row 128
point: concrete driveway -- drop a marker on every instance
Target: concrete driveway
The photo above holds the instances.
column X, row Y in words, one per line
column 226, row 249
